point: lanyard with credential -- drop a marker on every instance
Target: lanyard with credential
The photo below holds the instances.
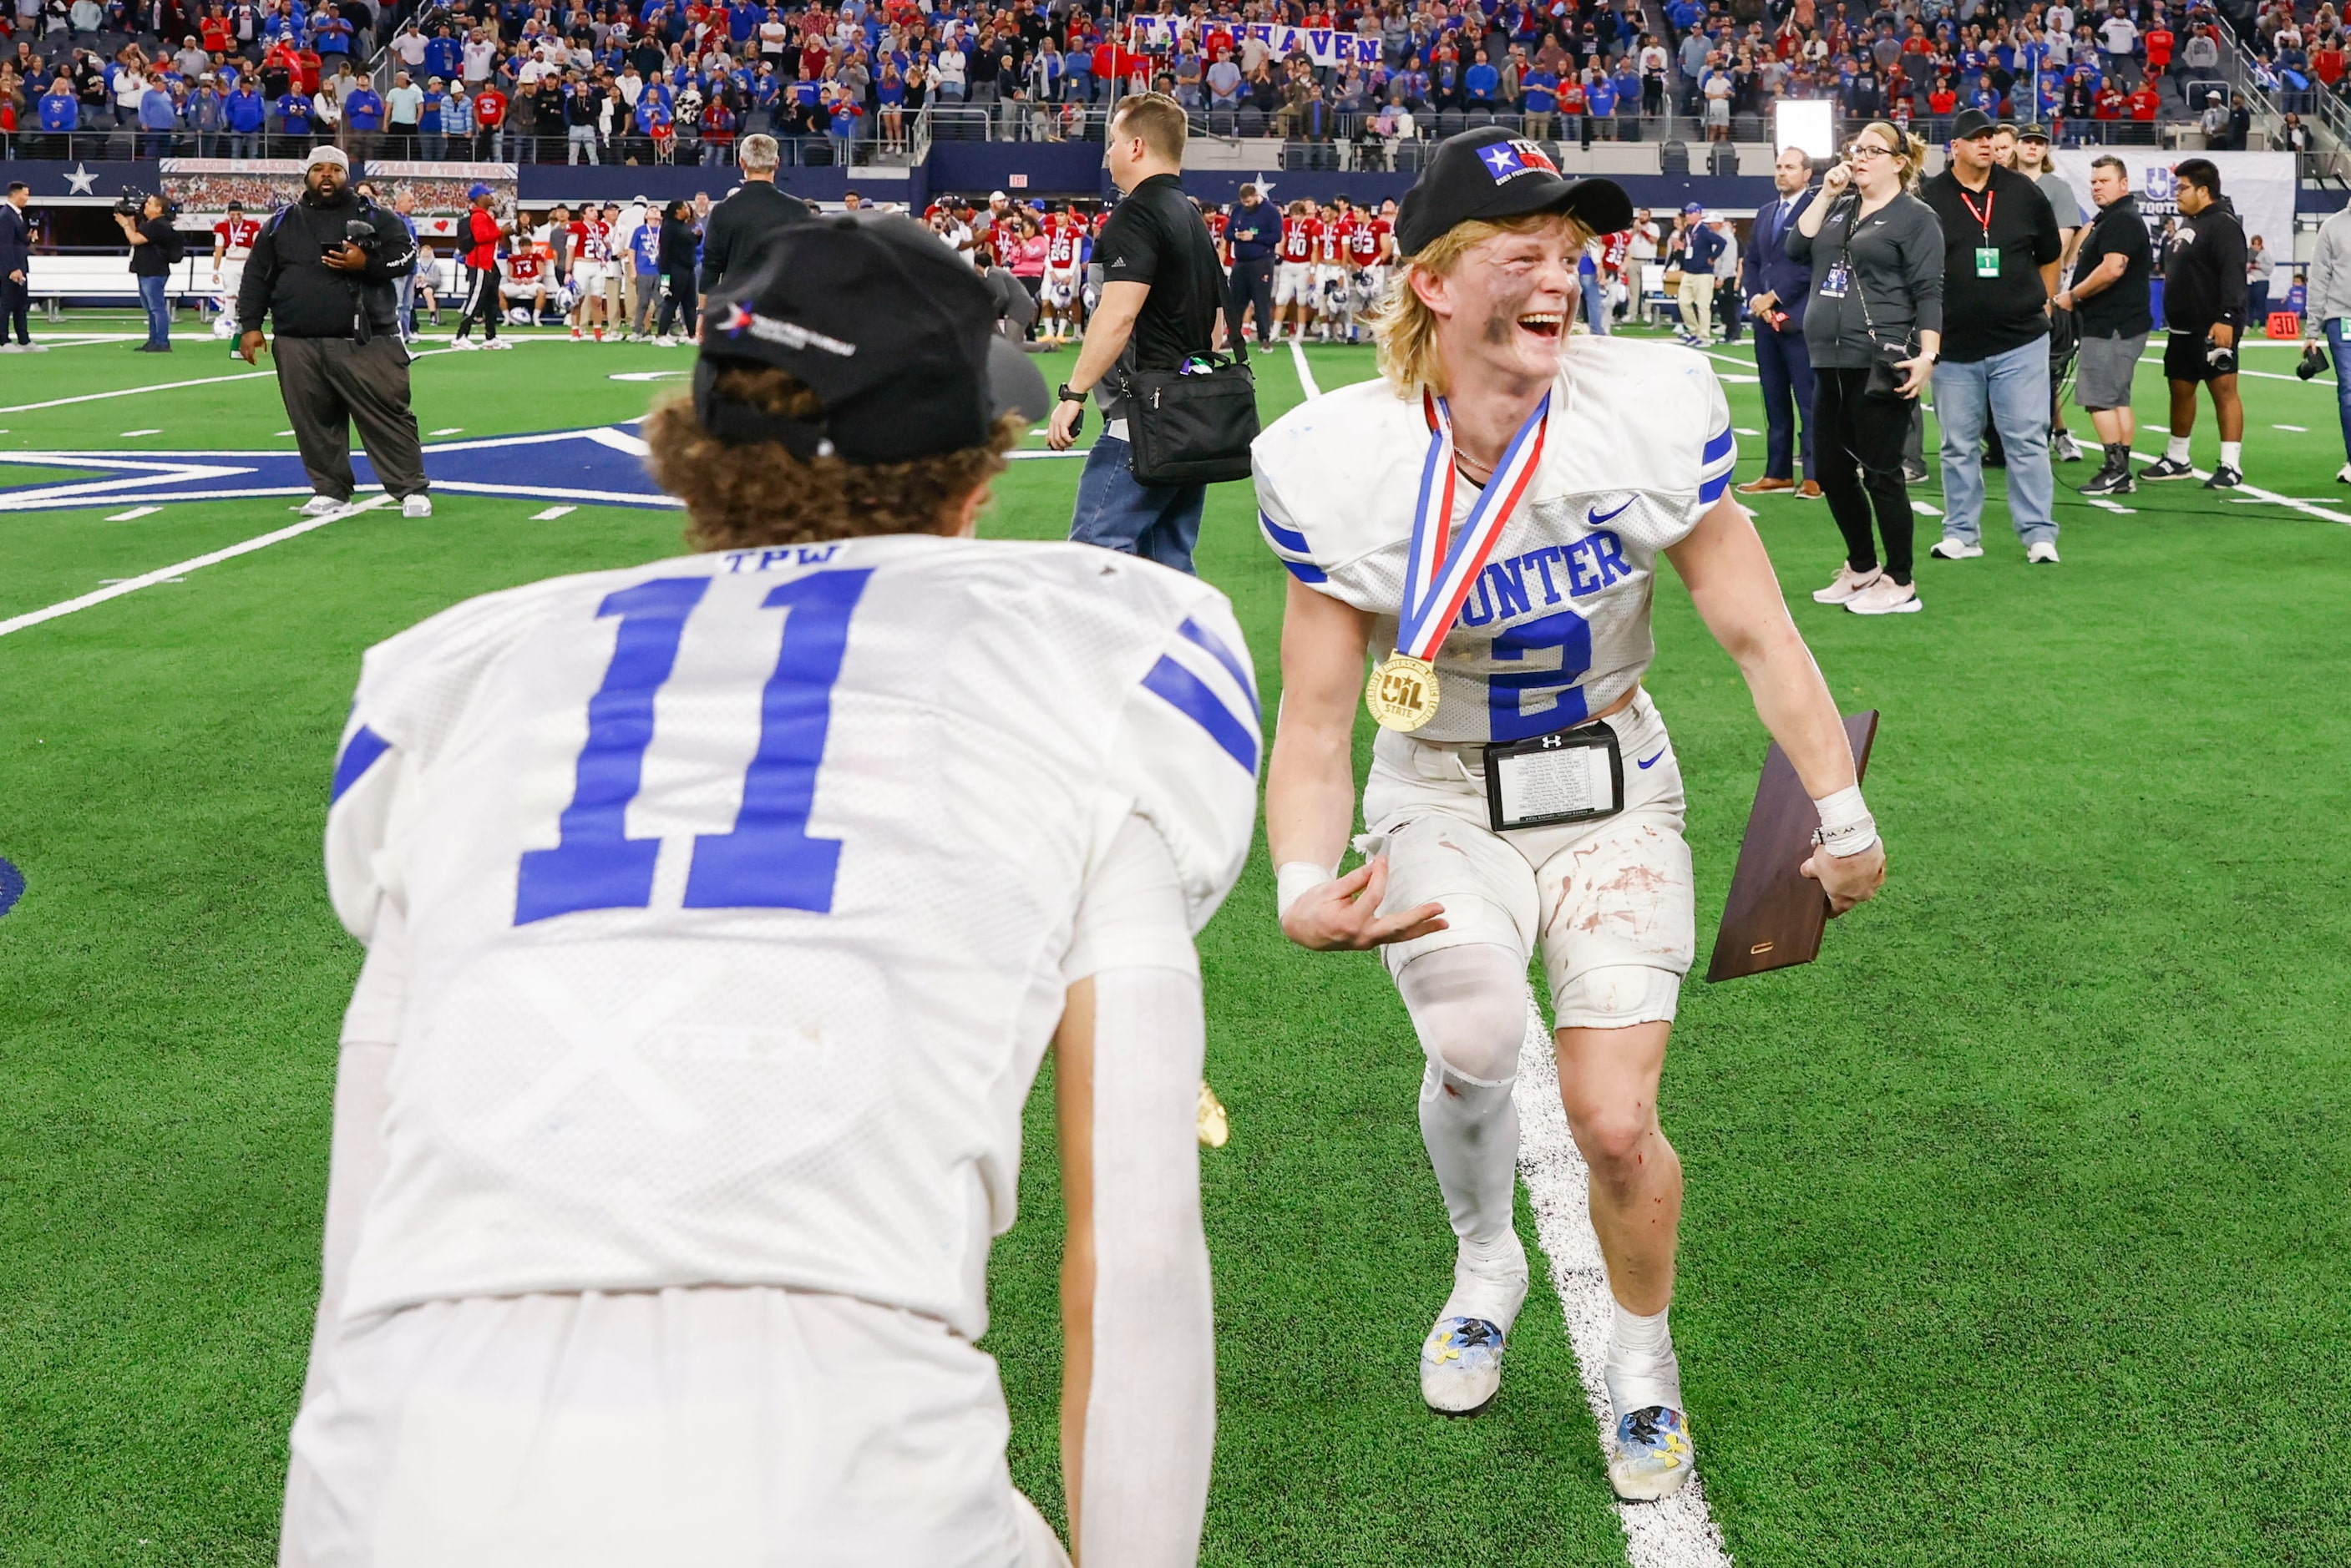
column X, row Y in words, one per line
column 1987, row 254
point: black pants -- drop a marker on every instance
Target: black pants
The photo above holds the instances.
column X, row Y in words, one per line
column 678, row 297
column 330, row 384
column 1857, row 445
column 481, row 302
column 15, row 308
column 1253, row 288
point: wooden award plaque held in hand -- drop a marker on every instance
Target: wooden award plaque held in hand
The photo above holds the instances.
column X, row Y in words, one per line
column 1775, row 914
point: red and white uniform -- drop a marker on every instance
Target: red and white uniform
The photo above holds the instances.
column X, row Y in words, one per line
column 1332, row 269
column 1367, row 247
column 232, row 244
column 1065, row 244
column 1216, row 231
column 592, row 250
column 1293, row 280
column 525, row 272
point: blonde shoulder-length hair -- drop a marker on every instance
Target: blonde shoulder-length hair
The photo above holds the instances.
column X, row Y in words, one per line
column 1403, row 325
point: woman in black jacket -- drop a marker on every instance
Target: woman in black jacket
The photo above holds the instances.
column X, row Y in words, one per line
column 675, row 258
column 1876, row 254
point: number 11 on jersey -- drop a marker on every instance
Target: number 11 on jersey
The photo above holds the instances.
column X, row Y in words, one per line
column 767, row 860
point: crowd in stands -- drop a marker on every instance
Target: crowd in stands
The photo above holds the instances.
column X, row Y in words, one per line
column 679, row 81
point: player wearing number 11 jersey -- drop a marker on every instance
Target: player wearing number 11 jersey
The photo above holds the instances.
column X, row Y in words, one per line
column 718, row 913
column 1487, row 521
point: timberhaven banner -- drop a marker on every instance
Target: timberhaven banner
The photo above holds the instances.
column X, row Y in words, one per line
column 2260, row 185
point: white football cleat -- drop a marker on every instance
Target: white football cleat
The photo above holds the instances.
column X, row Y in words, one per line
column 1654, row 1457
column 1955, row 550
column 320, row 505
column 2041, row 553
column 1844, row 585
column 2343, row 475
column 417, row 505
column 1461, row 1359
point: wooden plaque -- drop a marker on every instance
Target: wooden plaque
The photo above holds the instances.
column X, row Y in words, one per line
column 1775, row 914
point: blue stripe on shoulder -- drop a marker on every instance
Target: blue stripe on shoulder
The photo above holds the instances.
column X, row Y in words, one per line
column 1720, row 447
column 1224, row 656
column 1287, row 538
column 1711, row 491
column 359, row 756
column 1306, row 573
column 1189, row 695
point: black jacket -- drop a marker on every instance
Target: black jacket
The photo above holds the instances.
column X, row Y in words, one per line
column 285, row 278
column 675, row 255
column 159, row 254
column 2204, row 275
column 16, row 242
column 740, row 221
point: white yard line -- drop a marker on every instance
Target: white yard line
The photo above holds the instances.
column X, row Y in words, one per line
column 2102, row 504
column 134, row 513
column 1924, row 510
column 552, row 513
column 1677, row 1532
column 151, row 431
column 2333, row 514
column 2298, row 430
column 172, row 386
column 1305, row 375
column 174, row 572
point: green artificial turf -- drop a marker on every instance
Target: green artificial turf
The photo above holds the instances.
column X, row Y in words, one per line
column 2016, row 1228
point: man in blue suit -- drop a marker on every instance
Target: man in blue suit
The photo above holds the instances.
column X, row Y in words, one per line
column 1777, row 290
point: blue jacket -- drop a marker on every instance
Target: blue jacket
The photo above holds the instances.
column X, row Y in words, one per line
column 1768, row 268
column 60, row 111
column 247, row 112
column 1255, row 232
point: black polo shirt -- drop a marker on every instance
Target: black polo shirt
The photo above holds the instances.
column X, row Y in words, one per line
column 2120, row 309
column 1986, row 316
column 1155, row 236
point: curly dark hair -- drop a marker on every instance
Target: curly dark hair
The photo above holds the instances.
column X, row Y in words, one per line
column 741, row 497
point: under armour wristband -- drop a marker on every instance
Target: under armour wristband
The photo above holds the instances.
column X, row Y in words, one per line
column 1293, row 879
column 1846, row 826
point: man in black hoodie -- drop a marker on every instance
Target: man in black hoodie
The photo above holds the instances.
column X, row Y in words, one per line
column 325, row 271
column 2204, row 306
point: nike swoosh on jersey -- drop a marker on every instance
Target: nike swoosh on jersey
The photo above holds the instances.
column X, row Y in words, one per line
column 1644, row 762
column 1593, row 519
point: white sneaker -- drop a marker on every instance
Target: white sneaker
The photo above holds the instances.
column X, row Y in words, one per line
column 35, row 347
column 417, row 505
column 2343, row 475
column 1954, row 550
column 2041, row 553
column 1885, row 596
column 1844, row 585
column 320, row 505
column 500, row 343
column 464, row 345
column 665, row 342
column 2066, row 448
column 1461, row 1359
column 11, row 348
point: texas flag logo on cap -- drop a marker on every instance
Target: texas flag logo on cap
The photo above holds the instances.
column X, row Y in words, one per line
column 1506, row 161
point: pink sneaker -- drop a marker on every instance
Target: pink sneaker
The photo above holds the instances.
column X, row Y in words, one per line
column 1885, row 596
column 1846, row 584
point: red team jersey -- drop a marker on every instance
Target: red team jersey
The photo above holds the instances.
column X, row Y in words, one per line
column 591, row 240
column 1067, row 235
column 1298, row 237
column 1331, row 240
column 1365, row 242
column 237, row 235
column 523, row 266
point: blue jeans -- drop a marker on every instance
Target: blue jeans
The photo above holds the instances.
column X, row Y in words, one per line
column 1595, row 305
column 1157, row 522
column 159, row 311
column 2015, row 387
column 2337, row 346
column 1784, row 366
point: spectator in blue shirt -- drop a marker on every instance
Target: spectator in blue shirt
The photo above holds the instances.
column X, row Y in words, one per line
column 1540, row 88
column 1481, row 82
column 363, row 118
column 159, row 117
column 1599, row 103
column 294, row 116
column 444, row 57
column 59, row 115
column 331, row 35
column 247, row 116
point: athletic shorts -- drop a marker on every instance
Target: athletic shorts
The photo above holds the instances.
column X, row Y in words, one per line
column 1612, row 893
column 1371, row 284
column 725, row 1427
column 1293, row 284
column 2183, row 360
column 1332, row 282
column 1060, row 289
column 2103, row 368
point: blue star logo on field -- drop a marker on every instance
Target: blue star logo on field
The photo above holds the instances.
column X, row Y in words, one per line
column 602, row 466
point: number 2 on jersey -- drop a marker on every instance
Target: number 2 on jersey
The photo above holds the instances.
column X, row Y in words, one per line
column 767, row 860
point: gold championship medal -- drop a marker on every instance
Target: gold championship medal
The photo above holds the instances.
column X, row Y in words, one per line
column 1402, row 692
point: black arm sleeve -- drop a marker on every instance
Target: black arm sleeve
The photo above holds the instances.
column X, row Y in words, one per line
column 2228, row 253
column 260, row 279
column 1129, row 246
column 1922, row 267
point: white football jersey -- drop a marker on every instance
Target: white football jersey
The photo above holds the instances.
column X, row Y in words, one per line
column 737, row 889
column 1556, row 626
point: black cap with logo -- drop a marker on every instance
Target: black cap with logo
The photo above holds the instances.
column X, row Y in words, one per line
column 892, row 332
column 1490, row 174
column 1972, row 123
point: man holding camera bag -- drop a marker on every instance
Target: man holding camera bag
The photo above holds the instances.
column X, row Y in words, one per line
column 1161, row 290
column 326, row 270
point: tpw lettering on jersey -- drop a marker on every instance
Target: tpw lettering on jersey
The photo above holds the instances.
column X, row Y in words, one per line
column 1558, row 572
column 788, row 556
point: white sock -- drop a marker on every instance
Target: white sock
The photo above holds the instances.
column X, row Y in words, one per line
column 1642, row 1369
column 2176, row 448
column 2233, row 455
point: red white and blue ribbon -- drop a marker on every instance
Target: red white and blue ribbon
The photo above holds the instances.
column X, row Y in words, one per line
column 1438, row 576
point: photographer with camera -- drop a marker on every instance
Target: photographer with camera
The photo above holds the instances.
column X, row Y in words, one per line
column 1873, row 328
column 325, row 269
column 146, row 223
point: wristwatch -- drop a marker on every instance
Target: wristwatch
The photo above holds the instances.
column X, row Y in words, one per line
column 1067, row 396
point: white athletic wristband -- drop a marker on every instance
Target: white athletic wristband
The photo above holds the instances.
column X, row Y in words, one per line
column 1846, row 826
column 1295, row 878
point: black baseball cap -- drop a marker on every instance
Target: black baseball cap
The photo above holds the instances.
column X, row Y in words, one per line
column 1971, row 124
column 1490, row 174
column 2034, row 133
column 892, row 332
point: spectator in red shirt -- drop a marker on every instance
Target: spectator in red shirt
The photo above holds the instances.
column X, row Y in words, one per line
column 2110, row 102
column 1942, row 103
column 2143, row 103
column 2326, row 63
column 490, row 124
column 2158, row 41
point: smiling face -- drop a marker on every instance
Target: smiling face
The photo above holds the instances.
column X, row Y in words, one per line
column 1502, row 307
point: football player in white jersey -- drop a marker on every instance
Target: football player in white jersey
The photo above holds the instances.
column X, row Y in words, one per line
column 1523, row 796
column 718, row 913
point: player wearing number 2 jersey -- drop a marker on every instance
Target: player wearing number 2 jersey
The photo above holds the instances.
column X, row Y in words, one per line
column 718, row 912
column 1493, row 511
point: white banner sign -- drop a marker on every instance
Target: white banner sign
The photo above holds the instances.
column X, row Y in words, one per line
column 2260, row 185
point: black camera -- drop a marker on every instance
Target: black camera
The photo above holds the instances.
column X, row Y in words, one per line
column 132, row 202
column 2314, row 361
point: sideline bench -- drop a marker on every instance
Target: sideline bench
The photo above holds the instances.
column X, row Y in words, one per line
column 55, row 279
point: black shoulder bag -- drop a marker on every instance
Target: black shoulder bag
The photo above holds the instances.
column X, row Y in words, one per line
column 1194, row 424
column 1885, row 358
